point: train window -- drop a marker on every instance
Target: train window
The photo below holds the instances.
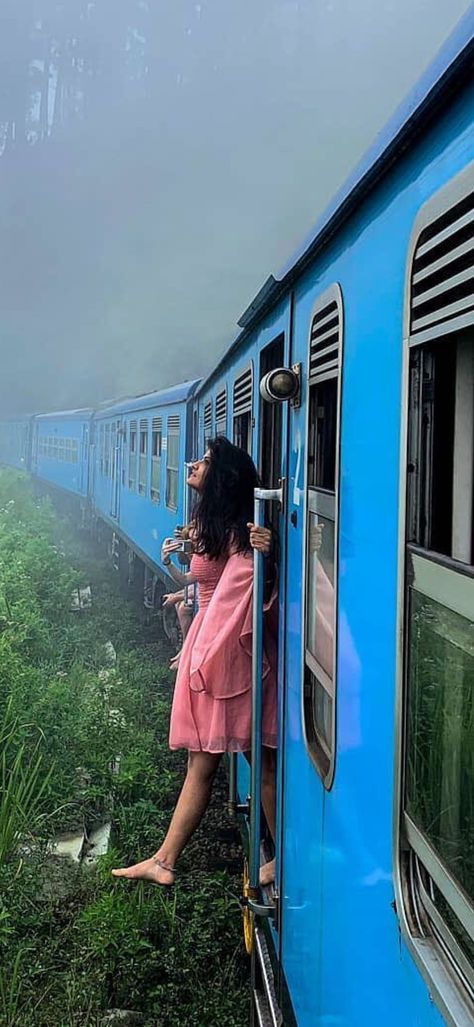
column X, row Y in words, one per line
column 242, row 412
column 132, row 455
column 143, row 457
column 172, row 463
column 124, row 456
column 324, row 389
column 107, row 451
column 156, row 442
column 221, row 412
column 101, row 449
column 207, row 422
column 437, row 799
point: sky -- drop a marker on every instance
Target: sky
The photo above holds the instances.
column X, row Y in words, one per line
column 160, row 158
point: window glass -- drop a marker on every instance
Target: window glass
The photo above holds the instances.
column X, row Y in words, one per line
column 142, row 468
column 107, row 451
column 440, row 733
column 132, row 460
column 172, row 468
column 155, row 465
column 242, row 432
column 320, row 591
column 322, row 435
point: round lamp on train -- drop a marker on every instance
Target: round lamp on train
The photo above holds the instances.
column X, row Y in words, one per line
column 280, row 385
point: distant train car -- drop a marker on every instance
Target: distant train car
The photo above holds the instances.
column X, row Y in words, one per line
column 372, row 916
column 138, row 468
column 60, row 450
column 15, row 442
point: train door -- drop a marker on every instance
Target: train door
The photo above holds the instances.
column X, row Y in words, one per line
column 308, row 742
column 83, row 458
column 308, row 531
column 272, row 461
column 34, row 449
column 116, row 461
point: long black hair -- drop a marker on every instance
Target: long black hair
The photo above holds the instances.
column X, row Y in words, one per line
column 225, row 505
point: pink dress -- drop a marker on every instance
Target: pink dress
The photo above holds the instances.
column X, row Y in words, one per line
column 212, row 700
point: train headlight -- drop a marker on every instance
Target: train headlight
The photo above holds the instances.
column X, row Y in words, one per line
column 280, row 385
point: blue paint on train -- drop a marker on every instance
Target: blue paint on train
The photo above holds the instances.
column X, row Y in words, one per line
column 137, row 465
column 15, row 442
column 60, row 449
column 337, row 947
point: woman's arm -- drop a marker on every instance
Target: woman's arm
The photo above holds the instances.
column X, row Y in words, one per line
column 179, row 577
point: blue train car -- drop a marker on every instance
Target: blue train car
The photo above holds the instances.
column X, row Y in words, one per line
column 138, row 467
column 372, row 915
column 60, row 450
column 15, row 442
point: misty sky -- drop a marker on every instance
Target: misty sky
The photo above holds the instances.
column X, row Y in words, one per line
column 160, row 158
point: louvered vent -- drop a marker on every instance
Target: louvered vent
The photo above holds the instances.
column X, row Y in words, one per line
column 143, row 424
column 442, row 284
column 133, row 425
column 208, row 419
column 325, row 342
column 157, row 424
column 243, row 392
column 173, row 423
column 221, row 412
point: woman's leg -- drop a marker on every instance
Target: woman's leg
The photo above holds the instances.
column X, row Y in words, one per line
column 190, row 809
column 267, row 872
column 185, row 617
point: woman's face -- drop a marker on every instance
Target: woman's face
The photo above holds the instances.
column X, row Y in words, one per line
column 198, row 471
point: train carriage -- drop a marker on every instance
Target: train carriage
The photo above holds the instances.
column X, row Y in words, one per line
column 138, row 460
column 60, row 450
column 372, row 916
column 15, row 442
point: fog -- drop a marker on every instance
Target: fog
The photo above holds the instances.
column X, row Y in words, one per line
column 158, row 160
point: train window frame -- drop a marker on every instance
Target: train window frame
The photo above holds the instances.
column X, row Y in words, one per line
column 101, row 448
column 242, row 409
column 431, row 904
column 156, row 443
column 172, row 469
column 322, row 504
column 107, row 450
column 142, row 456
column 132, row 454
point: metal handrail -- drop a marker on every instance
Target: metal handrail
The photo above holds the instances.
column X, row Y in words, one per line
column 260, row 497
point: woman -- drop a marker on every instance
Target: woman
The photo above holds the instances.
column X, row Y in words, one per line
column 211, row 711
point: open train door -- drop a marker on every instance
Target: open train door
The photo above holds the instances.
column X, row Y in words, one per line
column 262, row 906
column 301, row 404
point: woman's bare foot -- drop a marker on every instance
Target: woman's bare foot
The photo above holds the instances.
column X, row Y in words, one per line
column 149, row 870
column 267, row 873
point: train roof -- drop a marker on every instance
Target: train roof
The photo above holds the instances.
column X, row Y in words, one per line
column 173, row 394
column 81, row 413
column 449, row 69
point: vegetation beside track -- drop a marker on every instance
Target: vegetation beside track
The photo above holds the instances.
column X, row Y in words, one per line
column 83, row 741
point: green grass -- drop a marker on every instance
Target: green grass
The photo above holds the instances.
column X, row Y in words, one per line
column 74, row 942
